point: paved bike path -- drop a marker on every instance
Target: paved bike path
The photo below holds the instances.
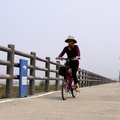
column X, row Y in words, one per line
column 100, row 102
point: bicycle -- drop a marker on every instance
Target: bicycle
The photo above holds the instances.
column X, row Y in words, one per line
column 68, row 83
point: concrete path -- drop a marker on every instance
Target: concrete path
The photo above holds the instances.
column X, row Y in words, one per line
column 100, row 102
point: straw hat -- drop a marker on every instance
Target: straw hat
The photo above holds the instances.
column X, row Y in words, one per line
column 70, row 38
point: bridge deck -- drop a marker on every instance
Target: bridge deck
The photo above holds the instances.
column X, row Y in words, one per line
column 100, row 102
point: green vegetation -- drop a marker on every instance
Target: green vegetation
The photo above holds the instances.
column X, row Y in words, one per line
column 2, row 91
column 38, row 89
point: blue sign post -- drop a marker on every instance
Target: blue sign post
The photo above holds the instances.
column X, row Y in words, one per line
column 23, row 82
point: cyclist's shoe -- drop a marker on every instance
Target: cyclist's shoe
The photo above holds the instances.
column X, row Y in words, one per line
column 77, row 88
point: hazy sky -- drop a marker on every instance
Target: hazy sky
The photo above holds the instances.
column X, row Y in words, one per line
column 43, row 25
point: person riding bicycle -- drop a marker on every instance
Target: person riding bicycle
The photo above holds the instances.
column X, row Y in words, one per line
column 72, row 51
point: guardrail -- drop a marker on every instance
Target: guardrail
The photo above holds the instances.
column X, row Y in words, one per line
column 85, row 77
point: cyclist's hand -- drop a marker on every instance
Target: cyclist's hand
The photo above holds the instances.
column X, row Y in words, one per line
column 76, row 58
column 57, row 58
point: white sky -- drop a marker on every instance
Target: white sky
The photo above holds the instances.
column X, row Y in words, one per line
column 43, row 25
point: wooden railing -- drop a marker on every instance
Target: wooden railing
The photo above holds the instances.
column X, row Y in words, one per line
column 85, row 77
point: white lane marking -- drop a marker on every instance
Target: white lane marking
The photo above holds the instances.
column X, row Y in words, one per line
column 39, row 95
column 7, row 101
column 10, row 100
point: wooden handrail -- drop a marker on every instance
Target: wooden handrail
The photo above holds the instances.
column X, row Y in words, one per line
column 86, row 78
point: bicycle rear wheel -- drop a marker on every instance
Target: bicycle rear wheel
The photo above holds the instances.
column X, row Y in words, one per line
column 64, row 90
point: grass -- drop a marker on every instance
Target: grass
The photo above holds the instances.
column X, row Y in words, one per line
column 2, row 91
column 38, row 89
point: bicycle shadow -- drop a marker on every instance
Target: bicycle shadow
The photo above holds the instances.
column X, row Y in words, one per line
column 57, row 96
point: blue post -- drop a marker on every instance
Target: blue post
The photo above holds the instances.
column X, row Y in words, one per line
column 23, row 82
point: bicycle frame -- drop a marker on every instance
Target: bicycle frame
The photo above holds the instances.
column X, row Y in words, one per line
column 67, row 82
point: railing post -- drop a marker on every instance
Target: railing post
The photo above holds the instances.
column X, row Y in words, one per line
column 90, row 83
column 85, row 83
column 32, row 73
column 47, row 74
column 10, row 70
column 82, row 83
column 87, row 78
column 82, row 78
column 57, row 76
column 83, row 75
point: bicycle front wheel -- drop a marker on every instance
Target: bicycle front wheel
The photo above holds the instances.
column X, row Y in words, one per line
column 74, row 93
column 73, row 90
column 64, row 90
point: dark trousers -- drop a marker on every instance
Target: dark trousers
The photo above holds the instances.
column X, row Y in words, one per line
column 74, row 67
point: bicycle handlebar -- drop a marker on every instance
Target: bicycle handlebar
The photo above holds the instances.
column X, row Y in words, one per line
column 62, row 58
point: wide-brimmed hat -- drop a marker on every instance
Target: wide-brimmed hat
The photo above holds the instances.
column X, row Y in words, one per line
column 70, row 38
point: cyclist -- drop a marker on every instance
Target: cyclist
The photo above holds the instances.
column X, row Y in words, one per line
column 72, row 51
